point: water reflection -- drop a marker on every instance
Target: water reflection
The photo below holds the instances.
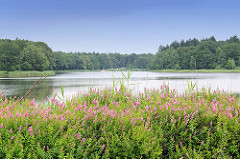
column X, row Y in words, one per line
column 75, row 82
column 29, row 88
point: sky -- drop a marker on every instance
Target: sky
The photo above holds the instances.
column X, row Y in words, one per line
column 123, row 26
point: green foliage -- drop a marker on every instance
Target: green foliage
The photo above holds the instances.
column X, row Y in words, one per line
column 190, row 54
column 96, row 61
column 116, row 124
column 195, row 54
column 230, row 64
column 25, row 55
column 35, row 57
column 10, row 56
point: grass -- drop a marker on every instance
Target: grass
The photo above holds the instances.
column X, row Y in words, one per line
column 26, row 73
column 52, row 73
column 113, row 123
column 200, row 71
column 126, row 69
column 67, row 71
column 164, row 70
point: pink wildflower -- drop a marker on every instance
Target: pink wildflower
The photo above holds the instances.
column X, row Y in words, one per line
column 12, row 138
column 103, row 146
column 83, row 140
column 180, row 144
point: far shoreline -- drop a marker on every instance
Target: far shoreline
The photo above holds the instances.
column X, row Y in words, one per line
column 15, row 74
column 164, row 70
column 199, row 71
column 12, row 74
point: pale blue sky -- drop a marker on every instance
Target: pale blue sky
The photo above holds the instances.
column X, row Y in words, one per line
column 126, row 26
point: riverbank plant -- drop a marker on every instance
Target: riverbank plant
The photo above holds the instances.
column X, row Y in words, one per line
column 237, row 70
column 11, row 74
column 102, row 123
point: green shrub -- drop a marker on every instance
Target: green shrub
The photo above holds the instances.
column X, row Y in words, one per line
column 116, row 124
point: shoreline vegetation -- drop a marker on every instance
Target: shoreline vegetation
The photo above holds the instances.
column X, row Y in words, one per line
column 200, row 71
column 181, row 55
column 237, row 70
column 11, row 74
column 114, row 123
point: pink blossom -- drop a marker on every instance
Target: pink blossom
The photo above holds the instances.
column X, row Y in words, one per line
column 1, row 125
column 83, row 140
column 12, row 137
column 103, row 146
column 180, row 144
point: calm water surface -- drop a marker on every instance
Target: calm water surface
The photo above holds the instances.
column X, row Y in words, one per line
column 75, row 82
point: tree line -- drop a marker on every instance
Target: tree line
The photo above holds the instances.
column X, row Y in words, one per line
column 198, row 54
column 100, row 61
column 25, row 55
column 28, row 55
column 190, row 54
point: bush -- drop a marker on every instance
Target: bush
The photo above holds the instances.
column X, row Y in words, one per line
column 116, row 124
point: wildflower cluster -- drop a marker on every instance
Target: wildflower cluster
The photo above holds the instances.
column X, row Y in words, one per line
column 106, row 123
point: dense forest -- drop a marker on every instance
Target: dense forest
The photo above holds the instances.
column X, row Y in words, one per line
column 198, row 54
column 28, row 55
column 97, row 61
column 190, row 54
column 25, row 55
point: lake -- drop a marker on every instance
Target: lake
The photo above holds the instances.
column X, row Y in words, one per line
column 74, row 82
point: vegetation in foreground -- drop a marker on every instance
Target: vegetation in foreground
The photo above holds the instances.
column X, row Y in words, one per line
column 26, row 73
column 112, row 123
